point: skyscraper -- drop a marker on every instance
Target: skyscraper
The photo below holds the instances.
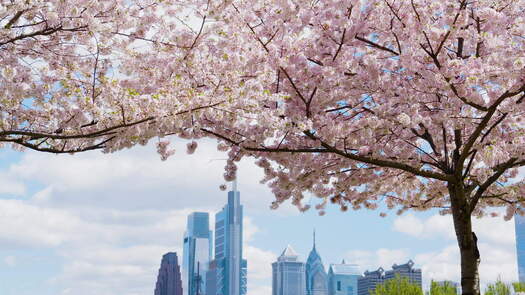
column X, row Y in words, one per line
column 169, row 279
column 369, row 281
column 197, row 253
column 231, row 268
column 288, row 274
column 316, row 277
column 520, row 245
column 406, row 270
column 211, row 279
column 342, row 279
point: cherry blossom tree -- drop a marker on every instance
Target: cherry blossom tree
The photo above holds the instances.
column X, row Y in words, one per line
column 100, row 74
column 414, row 104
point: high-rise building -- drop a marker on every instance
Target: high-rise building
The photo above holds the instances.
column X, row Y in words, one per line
column 169, row 279
column 369, row 281
column 197, row 253
column 231, row 268
column 520, row 245
column 316, row 277
column 288, row 274
column 406, row 270
column 342, row 279
column 211, row 279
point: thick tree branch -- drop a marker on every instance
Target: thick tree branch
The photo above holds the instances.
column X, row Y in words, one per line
column 484, row 186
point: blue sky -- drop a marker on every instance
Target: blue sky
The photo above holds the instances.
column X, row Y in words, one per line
column 95, row 223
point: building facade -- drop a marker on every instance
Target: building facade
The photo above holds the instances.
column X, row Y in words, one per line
column 169, row 279
column 211, row 279
column 406, row 270
column 316, row 277
column 288, row 274
column 368, row 282
column 197, row 253
column 519, row 222
column 342, row 279
column 230, row 267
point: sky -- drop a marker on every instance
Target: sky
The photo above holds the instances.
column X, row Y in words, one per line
column 98, row 224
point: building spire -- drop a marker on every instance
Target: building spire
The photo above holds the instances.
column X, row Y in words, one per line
column 314, row 238
column 234, row 185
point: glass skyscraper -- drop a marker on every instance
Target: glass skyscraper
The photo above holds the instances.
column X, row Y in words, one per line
column 316, row 277
column 288, row 274
column 230, row 268
column 197, row 253
column 368, row 283
column 406, row 270
column 520, row 245
column 342, row 279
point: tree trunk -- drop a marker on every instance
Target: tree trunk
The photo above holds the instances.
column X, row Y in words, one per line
column 467, row 241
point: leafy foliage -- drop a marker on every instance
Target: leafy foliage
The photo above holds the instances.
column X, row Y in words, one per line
column 447, row 288
column 519, row 286
column 397, row 286
column 498, row 288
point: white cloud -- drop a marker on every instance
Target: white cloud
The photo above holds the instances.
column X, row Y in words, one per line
column 496, row 262
column 496, row 239
column 10, row 261
column 30, row 226
column 249, row 229
column 492, row 229
column 10, row 186
column 120, row 180
column 259, row 262
column 109, row 269
column 436, row 226
column 495, row 230
column 372, row 260
column 259, row 290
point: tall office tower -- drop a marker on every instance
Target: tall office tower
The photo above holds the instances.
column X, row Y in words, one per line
column 211, row 279
column 169, row 280
column 288, row 274
column 342, row 279
column 406, row 270
column 520, row 245
column 231, row 268
column 197, row 253
column 369, row 281
column 316, row 277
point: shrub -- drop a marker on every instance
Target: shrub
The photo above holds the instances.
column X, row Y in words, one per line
column 498, row 288
column 519, row 287
column 397, row 286
column 447, row 288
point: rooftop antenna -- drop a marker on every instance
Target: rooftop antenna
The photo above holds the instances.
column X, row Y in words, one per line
column 234, row 185
column 314, row 238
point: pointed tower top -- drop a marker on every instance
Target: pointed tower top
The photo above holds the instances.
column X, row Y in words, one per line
column 314, row 238
column 289, row 252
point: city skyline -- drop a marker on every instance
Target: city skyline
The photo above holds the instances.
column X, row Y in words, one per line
column 139, row 216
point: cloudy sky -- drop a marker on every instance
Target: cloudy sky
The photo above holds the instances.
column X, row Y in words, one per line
column 98, row 224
